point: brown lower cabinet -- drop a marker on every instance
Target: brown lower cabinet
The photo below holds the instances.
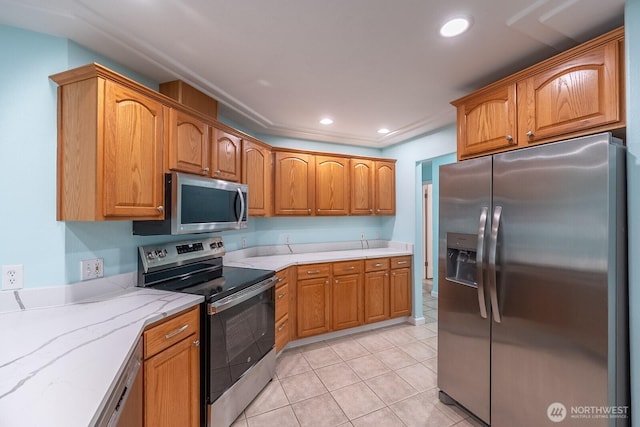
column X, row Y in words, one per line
column 340, row 295
column 172, row 371
column 283, row 297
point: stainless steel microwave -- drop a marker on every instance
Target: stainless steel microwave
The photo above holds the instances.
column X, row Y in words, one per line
column 196, row 204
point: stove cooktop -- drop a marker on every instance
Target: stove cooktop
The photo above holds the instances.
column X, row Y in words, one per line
column 233, row 279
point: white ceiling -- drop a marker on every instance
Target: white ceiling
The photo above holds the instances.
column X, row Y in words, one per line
column 278, row 66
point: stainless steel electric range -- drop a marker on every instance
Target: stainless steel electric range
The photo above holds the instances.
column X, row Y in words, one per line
column 237, row 324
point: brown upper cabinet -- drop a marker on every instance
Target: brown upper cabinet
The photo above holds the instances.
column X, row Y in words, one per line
column 577, row 92
column 191, row 97
column 294, row 183
column 256, row 173
column 362, row 182
column 385, row 187
column 188, row 148
column 332, row 185
column 110, row 147
column 226, row 155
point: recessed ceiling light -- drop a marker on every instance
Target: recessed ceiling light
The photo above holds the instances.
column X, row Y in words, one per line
column 326, row 121
column 455, row 27
column 383, row 130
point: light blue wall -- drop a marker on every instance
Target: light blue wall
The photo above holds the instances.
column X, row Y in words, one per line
column 408, row 220
column 632, row 43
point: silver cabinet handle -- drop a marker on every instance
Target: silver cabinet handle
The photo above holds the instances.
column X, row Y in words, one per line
column 370, row 210
column 493, row 249
column 176, row 332
column 378, row 265
column 402, row 262
column 309, row 210
column 205, row 170
column 160, row 208
column 353, row 267
column 509, row 138
column 280, row 296
column 482, row 303
column 378, row 210
column 284, row 325
column 530, row 134
column 218, row 172
column 313, row 271
column 318, row 210
column 393, row 274
column 196, row 343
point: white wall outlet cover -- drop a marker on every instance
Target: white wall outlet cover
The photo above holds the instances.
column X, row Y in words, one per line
column 12, row 277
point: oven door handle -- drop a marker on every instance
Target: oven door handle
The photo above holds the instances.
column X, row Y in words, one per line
column 240, row 297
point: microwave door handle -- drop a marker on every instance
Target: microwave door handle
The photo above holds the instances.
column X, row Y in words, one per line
column 242, row 207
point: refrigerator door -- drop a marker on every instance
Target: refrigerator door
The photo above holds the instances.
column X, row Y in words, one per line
column 555, row 252
column 463, row 323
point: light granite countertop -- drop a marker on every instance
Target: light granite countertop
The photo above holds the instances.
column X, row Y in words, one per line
column 59, row 365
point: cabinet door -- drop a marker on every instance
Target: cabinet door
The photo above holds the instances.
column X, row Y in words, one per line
column 172, row 386
column 362, row 173
column 225, row 156
column 188, row 148
column 132, row 171
column 580, row 93
column 332, row 185
column 376, row 296
column 385, row 188
column 487, row 122
column 314, row 306
column 294, row 183
column 256, row 173
column 347, row 301
column 400, row 292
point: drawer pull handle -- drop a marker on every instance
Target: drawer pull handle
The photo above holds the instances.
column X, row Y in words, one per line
column 379, row 264
column 313, row 271
column 284, row 325
column 176, row 332
column 280, row 296
column 402, row 262
column 280, row 279
column 196, row 343
column 353, row 267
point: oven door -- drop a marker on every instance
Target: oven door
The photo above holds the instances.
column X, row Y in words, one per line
column 241, row 330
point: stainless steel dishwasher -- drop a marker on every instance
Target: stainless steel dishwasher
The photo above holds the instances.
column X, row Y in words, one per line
column 125, row 407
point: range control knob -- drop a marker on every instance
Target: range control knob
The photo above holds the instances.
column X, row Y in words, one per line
column 162, row 253
column 151, row 255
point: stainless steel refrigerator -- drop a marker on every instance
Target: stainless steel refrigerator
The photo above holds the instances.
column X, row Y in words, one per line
column 532, row 290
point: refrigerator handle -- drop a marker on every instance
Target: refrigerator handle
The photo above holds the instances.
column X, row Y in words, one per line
column 479, row 260
column 493, row 249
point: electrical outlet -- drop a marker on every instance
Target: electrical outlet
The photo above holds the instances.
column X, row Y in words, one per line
column 12, row 277
column 91, row 269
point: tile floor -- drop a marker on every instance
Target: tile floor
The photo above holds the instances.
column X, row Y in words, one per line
column 380, row 378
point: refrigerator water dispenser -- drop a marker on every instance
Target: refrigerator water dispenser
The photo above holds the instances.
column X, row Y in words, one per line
column 461, row 259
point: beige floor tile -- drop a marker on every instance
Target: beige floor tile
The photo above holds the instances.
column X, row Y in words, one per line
column 433, row 304
column 302, row 386
column 241, row 421
column 289, row 364
column 283, row 417
column 270, row 398
column 421, row 332
column 432, row 364
column 368, row 366
column 432, row 326
column 397, row 337
column 469, row 422
column 390, row 387
column 419, row 411
column 383, row 418
column 432, row 342
column 337, row 376
column 418, row 350
column 320, row 357
column 452, row 411
column 313, row 346
column 395, row 358
column 374, row 342
column 349, row 349
column 319, row 411
column 357, row 400
column 419, row 376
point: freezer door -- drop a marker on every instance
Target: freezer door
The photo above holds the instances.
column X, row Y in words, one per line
column 463, row 326
column 555, row 341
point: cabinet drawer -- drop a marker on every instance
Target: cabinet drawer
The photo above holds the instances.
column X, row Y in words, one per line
column 401, row 262
column 283, row 276
column 282, row 333
column 168, row 333
column 376, row 264
column 282, row 300
column 310, row 271
column 347, row 267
